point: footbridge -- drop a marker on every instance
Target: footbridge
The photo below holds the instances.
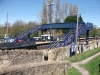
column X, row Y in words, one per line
column 67, row 38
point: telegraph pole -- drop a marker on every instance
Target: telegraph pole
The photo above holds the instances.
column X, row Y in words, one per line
column 77, row 31
column 7, row 25
column 50, row 18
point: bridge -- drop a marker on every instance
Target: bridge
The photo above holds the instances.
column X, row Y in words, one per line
column 67, row 38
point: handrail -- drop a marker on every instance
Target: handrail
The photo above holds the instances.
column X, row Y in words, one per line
column 59, row 40
column 68, row 35
column 64, row 37
column 36, row 27
column 56, row 42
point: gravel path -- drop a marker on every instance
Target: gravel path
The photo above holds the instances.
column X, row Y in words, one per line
column 81, row 69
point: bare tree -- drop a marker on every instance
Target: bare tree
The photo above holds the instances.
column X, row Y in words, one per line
column 73, row 9
column 44, row 13
column 30, row 24
column 52, row 12
column 57, row 14
column 63, row 11
column 17, row 27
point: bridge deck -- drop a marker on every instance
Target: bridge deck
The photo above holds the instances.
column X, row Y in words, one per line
column 65, row 25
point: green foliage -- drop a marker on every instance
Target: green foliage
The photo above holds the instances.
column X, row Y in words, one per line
column 73, row 71
column 64, row 30
column 2, row 32
column 83, row 55
column 34, row 35
column 95, row 31
column 46, row 55
column 17, row 27
column 73, row 19
column 80, row 19
column 59, row 32
column 92, row 66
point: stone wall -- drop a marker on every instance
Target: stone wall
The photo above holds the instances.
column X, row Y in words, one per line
column 59, row 54
column 31, row 62
column 40, row 68
column 92, row 45
column 14, row 57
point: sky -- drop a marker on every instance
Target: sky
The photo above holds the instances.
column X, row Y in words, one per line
column 29, row 10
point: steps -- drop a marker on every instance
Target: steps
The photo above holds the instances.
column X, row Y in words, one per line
column 69, row 37
column 29, row 31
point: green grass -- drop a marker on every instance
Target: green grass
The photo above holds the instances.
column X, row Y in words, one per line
column 92, row 66
column 73, row 71
column 83, row 55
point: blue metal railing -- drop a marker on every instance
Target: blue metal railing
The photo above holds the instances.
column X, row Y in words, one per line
column 57, row 42
column 29, row 31
column 68, row 40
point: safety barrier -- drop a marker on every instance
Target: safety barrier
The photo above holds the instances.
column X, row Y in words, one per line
column 29, row 31
column 67, row 39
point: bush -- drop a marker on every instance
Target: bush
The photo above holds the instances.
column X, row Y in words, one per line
column 46, row 56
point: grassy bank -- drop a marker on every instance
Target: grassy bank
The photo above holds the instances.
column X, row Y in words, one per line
column 92, row 66
column 73, row 71
column 83, row 55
